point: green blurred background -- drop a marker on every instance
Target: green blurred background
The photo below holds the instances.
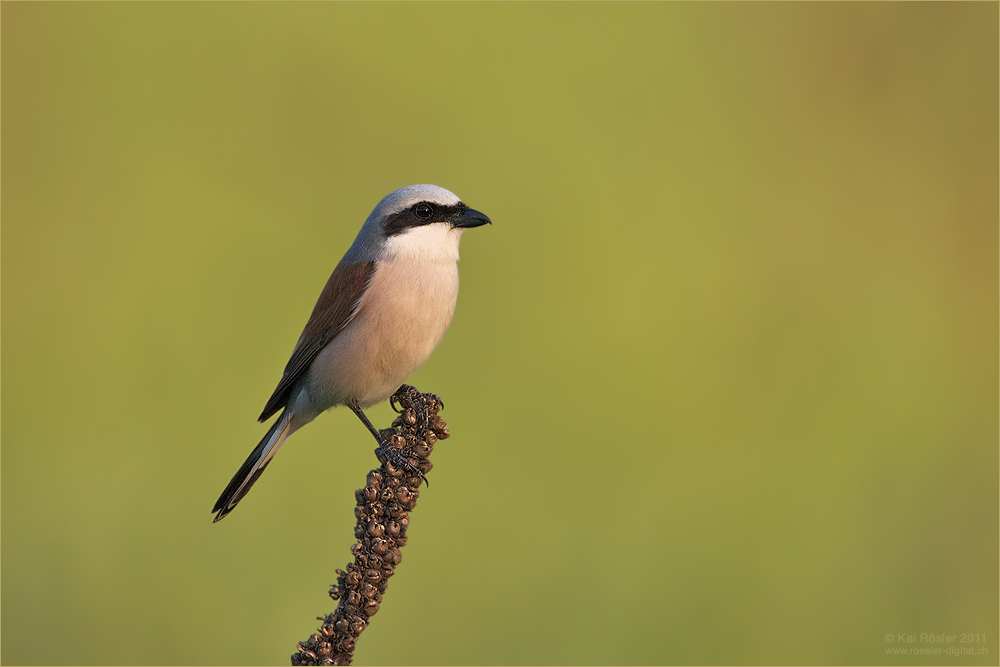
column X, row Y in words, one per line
column 722, row 380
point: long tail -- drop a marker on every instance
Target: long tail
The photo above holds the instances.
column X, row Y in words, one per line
column 253, row 467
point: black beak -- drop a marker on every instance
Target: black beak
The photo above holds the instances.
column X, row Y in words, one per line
column 470, row 217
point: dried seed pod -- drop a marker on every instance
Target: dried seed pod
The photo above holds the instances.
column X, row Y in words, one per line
column 382, row 521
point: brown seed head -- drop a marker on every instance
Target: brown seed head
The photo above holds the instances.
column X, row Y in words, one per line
column 382, row 520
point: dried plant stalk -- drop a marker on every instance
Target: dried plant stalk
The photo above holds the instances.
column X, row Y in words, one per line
column 383, row 510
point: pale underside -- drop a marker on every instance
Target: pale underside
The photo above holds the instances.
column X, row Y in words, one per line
column 399, row 321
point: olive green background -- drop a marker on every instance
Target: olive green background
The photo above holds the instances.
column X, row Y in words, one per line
column 722, row 380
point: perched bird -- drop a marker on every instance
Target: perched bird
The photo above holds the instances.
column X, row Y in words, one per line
column 382, row 312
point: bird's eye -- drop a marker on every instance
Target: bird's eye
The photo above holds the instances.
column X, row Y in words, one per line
column 423, row 211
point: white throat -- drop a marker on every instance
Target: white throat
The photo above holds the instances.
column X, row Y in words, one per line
column 436, row 243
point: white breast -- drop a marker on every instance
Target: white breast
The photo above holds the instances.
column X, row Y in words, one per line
column 431, row 243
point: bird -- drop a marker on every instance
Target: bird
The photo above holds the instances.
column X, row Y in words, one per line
column 382, row 312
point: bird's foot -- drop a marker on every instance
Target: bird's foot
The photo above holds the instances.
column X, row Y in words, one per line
column 437, row 399
column 407, row 396
column 391, row 453
column 403, row 398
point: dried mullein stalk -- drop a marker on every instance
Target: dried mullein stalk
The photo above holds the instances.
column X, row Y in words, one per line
column 383, row 510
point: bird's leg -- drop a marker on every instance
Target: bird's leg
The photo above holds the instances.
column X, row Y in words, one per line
column 392, row 454
column 353, row 405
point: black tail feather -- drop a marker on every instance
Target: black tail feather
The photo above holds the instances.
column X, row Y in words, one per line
column 251, row 469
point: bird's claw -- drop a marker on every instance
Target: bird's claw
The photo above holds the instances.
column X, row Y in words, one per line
column 389, row 454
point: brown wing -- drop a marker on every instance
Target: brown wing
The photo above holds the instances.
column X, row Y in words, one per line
column 335, row 308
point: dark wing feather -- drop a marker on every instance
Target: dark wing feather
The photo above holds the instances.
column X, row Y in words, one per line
column 335, row 308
